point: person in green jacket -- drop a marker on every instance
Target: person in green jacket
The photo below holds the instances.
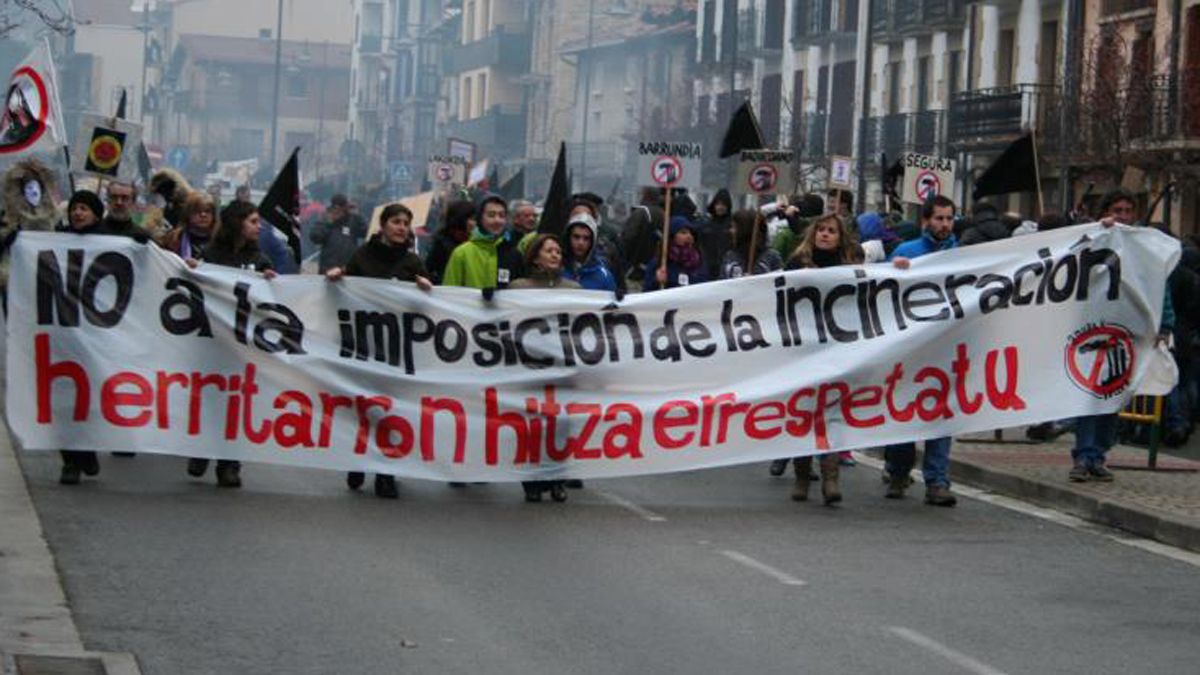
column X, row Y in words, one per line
column 490, row 259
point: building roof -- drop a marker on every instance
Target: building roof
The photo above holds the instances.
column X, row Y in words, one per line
column 259, row 51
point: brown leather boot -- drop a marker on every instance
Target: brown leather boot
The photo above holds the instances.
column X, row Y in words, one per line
column 803, row 476
column 830, row 466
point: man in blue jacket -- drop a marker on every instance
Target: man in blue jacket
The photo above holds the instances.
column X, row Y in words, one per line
column 584, row 266
column 937, row 234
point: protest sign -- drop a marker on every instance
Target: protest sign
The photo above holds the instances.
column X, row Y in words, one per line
column 669, row 164
column 119, row 345
column 764, row 172
column 926, row 176
column 107, row 147
column 446, row 170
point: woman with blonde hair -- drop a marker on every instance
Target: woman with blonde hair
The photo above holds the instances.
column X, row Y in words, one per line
column 198, row 222
column 826, row 243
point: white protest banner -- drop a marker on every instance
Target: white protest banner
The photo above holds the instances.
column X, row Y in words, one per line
column 118, row 345
column 669, row 164
column 926, row 176
column 764, row 172
column 447, row 170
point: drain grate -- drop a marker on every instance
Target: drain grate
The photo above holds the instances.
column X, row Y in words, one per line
column 30, row 664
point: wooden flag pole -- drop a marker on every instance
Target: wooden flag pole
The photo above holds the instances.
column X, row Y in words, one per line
column 1037, row 174
column 749, row 272
column 666, row 233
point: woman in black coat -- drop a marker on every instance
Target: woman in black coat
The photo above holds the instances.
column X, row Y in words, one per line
column 385, row 255
column 235, row 244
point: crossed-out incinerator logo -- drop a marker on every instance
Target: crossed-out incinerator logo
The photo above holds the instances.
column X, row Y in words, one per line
column 1100, row 359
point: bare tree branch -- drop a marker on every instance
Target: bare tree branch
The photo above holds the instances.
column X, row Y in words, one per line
column 15, row 14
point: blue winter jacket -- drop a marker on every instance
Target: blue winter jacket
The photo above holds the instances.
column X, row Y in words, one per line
column 915, row 248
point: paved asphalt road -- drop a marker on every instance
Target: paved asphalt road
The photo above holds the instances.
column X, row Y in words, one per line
column 708, row 572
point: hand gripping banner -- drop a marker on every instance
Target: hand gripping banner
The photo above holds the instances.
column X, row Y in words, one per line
column 113, row 344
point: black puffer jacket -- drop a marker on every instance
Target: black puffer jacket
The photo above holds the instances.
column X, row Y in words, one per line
column 379, row 260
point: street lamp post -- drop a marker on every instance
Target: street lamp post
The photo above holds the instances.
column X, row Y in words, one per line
column 275, row 100
column 587, row 95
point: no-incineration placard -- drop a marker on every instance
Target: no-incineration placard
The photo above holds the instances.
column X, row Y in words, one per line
column 763, row 172
column 669, row 164
column 926, row 176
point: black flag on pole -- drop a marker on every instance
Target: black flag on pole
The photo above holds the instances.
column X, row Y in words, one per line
column 281, row 205
column 890, row 177
column 514, row 187
column 145, row 167
column 1015, row 170
column 743, row 133
column 554, row 210
column 121, row 105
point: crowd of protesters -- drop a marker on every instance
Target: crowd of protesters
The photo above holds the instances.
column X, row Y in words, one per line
column 483, row 242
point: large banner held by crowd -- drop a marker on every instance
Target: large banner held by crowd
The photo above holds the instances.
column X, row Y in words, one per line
column 114, row 345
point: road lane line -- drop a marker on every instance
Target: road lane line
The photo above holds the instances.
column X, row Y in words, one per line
column 781, row 576
column 644, row 513
column 1058, row 517
column 951, row 655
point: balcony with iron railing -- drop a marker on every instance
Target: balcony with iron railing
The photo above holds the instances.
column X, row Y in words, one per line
column 923, row 132
column 906, row 18
column 755, row 38
column 989, row 118
column 821, row 20
column 500, row 131
column 505, row 47
column 1154, row 111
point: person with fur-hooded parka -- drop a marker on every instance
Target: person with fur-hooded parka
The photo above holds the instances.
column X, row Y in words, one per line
column 28, row 193
column 174, row 189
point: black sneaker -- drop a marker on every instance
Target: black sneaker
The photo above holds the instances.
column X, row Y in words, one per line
column 1078, row 473
column 69, row 475
column 533, row 493
column 573, row 483
column 558, row 492
column 1100, row 473
column 779, row 466
column 385, row 487
column 354, row 479
column 197, row 466
column 229, row 475
column 89, row 464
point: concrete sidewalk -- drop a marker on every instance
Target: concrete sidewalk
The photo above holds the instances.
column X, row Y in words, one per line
column 1163, row 505
column 37, row 631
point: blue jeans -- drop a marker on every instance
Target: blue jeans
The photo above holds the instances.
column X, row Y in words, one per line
column 935, row 467
column 1094, row 436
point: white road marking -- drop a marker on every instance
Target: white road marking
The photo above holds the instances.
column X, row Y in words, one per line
column 1058, row 518
column 951, row 655
column 781, row 576
column 644, row 513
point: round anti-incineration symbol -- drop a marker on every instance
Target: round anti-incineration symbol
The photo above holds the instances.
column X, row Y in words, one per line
column 1101, row 359
column 666, row 171
column 105, row 152
column 445, row 172
column 928, row 185
column 763, row 178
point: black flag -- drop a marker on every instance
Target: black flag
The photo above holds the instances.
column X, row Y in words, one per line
column 554, row 211
column 1015, row 170
column 121, row 106
column 145, row 168
column 890, row 177
column 514, row 188
column 281, row 205
column 743, row 133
